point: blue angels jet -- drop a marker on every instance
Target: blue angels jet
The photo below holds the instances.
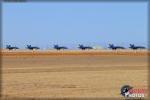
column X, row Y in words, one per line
column 132, row 46
column 11, row 48
column 111, row 46
column 32, row 47
column 57, row 47
column 84, row 47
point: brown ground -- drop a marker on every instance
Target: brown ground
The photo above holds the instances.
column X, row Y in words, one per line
column 76, row 75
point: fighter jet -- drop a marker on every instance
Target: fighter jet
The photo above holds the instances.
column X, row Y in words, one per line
column 84, row 47
column 9, row 47
column 57, row 47
column 32, row 47
column 111, row 46
column 132, row 46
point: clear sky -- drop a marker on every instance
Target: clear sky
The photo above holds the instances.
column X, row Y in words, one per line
column 73, row 23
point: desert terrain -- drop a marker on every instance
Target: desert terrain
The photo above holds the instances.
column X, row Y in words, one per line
column 72, row 74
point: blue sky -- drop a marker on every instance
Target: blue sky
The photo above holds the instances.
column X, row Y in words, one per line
column 73, row 23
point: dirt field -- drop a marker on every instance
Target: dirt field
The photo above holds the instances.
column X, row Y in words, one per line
column 72, row 75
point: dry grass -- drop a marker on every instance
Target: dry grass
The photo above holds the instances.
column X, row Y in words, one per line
column 73, row 75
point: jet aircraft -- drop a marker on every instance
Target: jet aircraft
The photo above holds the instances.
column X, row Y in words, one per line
column 9, row 47
column 132, row 46
column 32, row 47
column 57, row 47
column 84, row 47
column 111, row 46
